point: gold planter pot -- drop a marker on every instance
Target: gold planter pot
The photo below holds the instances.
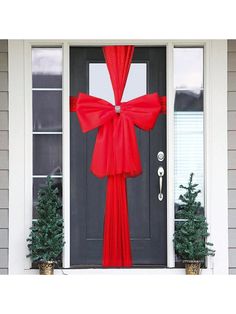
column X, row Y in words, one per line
column 46, row 268
column 192, row 267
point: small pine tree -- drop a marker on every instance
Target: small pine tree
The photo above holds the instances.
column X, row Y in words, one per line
column 45, row 242
column 191, row 233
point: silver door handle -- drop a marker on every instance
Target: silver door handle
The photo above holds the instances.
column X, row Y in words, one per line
column 160, row 173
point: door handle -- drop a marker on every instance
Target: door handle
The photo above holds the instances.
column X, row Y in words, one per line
column 160, row 173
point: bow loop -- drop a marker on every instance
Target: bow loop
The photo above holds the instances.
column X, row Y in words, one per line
column 144, row 110
column 92, row 112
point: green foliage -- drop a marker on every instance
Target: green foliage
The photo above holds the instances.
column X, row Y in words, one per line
column 191, row 233
column 45, row 242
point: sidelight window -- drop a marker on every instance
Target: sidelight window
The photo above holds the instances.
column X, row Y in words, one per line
column 47, row 117
column 188, row 119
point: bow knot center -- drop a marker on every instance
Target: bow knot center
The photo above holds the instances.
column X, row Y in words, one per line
column 117, row 109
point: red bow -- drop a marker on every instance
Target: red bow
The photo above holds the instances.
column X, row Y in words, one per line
column 116, row 149
column 116, row 152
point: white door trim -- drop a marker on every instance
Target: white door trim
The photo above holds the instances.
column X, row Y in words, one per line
column 16, row 157
column 216, row 145
column 20, row 148
column 170, row 153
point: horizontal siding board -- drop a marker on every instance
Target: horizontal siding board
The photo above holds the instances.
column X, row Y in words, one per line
column 232, row 179
column 4, row 140
column 3, row 81
column 232, row 61
column 4, row 199
column 4, row 159
column 3, row 45
column 3, row 61
column 231, row 81
column 232, row 159
column 3, row 238
column 232, row 121
column 3, row 100
column 232, row 238
column 4, row 179
column 3, row 258
column 231, row 100
column 231, row 45
column 3, row 120
column 4, row 218
column 232, row 257
column 231, row 139
column 232, row 218
column 232, row 198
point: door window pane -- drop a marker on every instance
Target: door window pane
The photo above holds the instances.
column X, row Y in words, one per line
column 47, row 154
column 100, row 83
column 47, row 67
column 47, row 111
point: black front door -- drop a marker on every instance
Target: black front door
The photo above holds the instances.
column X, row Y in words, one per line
column 147, row 214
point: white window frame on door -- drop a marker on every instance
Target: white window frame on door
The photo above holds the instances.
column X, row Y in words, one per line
column 20, row 151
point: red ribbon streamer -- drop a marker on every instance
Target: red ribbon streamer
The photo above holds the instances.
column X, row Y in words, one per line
column 116, row 152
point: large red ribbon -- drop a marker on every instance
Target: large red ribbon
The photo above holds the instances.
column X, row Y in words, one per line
column 116, row 152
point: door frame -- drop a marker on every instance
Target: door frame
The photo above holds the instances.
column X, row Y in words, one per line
column 20, row 148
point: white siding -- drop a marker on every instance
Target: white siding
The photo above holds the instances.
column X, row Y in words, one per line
column 4, row 172
column 232, row 153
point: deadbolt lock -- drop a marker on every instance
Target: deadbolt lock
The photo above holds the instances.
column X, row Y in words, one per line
column 160, row 156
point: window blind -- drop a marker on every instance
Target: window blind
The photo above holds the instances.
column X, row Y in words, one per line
column 189, row 154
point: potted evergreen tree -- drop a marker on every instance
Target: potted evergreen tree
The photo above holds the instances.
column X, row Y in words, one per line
column 191, row 231
column 46, row 239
